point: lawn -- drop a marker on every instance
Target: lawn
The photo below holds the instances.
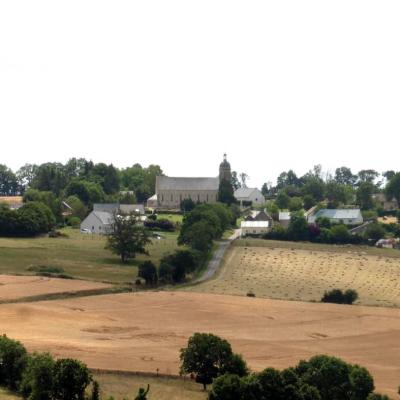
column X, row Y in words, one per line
column 175, row 218
column 82, row 256
column 304, row 271
column 127, row 386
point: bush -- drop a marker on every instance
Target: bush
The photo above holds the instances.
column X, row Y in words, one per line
column 340, row 234
column 161, row 224
column 74, row 222
column 14, row 358
column 374, row 232
column 148, row 271
column 338, row 297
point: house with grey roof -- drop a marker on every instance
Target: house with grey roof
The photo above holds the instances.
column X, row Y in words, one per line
column 171, row 191
column 249, row 196
column 351, row 216
column 99, row 222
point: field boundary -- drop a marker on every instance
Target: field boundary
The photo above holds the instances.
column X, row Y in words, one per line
column 68, row 295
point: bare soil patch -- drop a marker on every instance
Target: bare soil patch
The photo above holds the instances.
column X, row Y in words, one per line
column 144, row 331
column 300, row 274
column 16, row 287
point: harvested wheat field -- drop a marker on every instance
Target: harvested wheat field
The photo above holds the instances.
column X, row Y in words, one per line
column 297, row 274
column 16, row 287
column 144, row 331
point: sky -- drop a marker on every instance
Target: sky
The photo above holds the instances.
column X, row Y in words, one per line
column 277, row 85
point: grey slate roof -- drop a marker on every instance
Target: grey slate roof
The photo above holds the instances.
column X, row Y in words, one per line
column 353, row 213
column 243, row 192
column 169, row 183
column 106, row 218
column 105, row 207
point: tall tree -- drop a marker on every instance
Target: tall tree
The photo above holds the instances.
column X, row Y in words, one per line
column 393, row 188
column 364, row 195
column 8, row 182
column 127, row 238
column 344, row 176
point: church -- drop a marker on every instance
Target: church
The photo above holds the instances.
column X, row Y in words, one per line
column 170, row 191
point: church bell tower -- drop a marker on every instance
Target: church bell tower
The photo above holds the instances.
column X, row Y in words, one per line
column 225, row 170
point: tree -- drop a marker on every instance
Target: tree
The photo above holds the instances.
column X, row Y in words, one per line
column 336, row 194
column 295, row 204
column 235, row 181
column 243, row 178
column 88, row 192
column 206, row 356
column 228, row 387
column 37, row 381
column 187, row 205
column 8, row 182
column 78, row 208
column 344, row 176
column 364, row 195
column 50, row 177
column 340, row 233
column 225, row 192
column 199, row 236
column 71, row 377
column 298, row 226
column 313, row 186
column 393, row 188
column 287, row 179
column 367, row 175
column 13, row 356
column 148, row 271
column 282, row 200
column 127, row 238
column 25, row 175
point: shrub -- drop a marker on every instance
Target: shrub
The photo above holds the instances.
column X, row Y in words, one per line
column 338, row 297
column 161, row 224
column 148, row 271
column 74, row 222
column 374, row 231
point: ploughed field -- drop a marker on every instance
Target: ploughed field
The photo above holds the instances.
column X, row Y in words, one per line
column 144, row 331
column 306, row 272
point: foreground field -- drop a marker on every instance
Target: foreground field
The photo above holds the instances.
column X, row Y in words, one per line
column 82, row 256
column 306, row 273
column 144, row 331
column 17, row 287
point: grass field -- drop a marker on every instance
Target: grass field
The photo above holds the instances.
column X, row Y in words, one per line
column 126, row 386
column 304, row 271
column 176, row 218
column 82, row 256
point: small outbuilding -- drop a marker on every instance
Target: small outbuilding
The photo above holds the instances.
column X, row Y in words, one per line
column 254, row 227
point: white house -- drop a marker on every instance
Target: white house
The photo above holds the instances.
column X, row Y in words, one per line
column 284, row 218
column 254, row 227
column 99, row 222
column 351, row 216
column 251, row 196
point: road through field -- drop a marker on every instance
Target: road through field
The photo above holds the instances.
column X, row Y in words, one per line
column 144, row 331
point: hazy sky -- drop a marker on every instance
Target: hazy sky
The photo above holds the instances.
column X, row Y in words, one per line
column 275, row 84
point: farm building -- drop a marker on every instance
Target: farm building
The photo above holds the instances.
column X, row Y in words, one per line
column 99, row 222
column 249, row 196
column 284, row 218
column 171, row 191
column 152, row 202
column 254, row 227
column 351, row 216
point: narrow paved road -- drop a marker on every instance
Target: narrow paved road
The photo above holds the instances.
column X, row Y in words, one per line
column 216, row 260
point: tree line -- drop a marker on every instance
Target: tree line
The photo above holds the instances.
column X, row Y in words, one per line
column 339, row 189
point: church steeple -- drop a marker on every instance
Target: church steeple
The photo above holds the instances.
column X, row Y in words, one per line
column 225, row 170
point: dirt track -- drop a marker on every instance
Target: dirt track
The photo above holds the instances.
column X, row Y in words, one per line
column 15, row 287
column 145, row 331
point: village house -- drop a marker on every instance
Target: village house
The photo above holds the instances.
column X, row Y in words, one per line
column 249, row 197
column 100, row 220
column 385, row 203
